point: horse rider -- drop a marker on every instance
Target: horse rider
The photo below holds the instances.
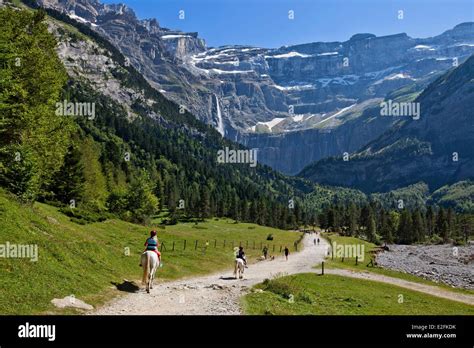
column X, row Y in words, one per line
column 152, row 244
column 241, row 255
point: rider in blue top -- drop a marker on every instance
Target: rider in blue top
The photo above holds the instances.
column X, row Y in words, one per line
column 152, row 244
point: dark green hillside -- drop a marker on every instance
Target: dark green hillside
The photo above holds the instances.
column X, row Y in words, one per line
column 436, row 149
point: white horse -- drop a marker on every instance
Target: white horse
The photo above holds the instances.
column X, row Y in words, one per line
column 239, row 268
column 150, row 264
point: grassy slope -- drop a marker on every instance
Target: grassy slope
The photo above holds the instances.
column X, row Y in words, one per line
column 86, row 260
column 336, row 295
column 349, row 263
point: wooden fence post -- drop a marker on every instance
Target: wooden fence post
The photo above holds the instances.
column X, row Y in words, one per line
column 280, row 248
column 196, row 245
column 356, row 260
column 322, row 268
column 215, row 243
column 184, row 248
column 173, row 245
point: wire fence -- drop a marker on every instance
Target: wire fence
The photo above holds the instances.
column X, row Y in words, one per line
column 196, row 244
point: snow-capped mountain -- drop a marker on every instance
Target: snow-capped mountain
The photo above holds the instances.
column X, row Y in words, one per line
column 296, row 104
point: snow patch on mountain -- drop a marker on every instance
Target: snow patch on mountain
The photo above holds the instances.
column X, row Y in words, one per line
column 290, row 55
column 80, row 19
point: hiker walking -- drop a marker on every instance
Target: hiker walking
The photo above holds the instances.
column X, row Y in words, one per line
column 287, row 252
column 265, row 252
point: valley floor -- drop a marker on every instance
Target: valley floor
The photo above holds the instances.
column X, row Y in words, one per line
column 216, row 294
column 220, row 293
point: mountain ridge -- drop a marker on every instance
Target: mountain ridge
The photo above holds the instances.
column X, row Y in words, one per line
column 277, row 100
column 436, row 149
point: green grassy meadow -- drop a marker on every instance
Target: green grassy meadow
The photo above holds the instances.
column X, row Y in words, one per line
column 89, row 260
column 311, row 294
column 350, row 263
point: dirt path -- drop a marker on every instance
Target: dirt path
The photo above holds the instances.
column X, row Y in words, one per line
column 427, row 289
column 219, row 293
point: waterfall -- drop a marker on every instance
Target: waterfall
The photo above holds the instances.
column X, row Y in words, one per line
column 220, row 121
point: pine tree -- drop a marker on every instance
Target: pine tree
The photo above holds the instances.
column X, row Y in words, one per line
column 371, row 230
column 442, row 226
column 430, row 221
column 261, row 212
column 352, row 220
column 323, row 220
column 418, row 226
column 405, row 228
column 68, row 182
column 244, row 210
column 450, row 221
column 204, row 204
column 393, row 222
column 33, row 139
column 142, row 203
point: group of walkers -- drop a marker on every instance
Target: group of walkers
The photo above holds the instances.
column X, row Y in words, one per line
column 286, row 251
column 152, row 244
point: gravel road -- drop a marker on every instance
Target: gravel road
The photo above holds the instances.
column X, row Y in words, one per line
column 219, row 293
column 216, row 294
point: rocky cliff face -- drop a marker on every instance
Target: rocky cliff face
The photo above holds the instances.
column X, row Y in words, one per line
column 436, row 148
column 260, row 96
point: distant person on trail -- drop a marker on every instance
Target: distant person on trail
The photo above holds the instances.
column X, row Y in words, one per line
column 265, row 252
column 152, row 244
column 241, row 255
column 314, row 241
column 287, row 252
column 318, row 241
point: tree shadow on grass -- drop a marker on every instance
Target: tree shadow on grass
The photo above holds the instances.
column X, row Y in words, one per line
column 126, row 286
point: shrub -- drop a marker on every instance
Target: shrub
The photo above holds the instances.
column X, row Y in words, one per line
column 83, row 217
column 304, row 297
column 280, row 287
column 436, row 239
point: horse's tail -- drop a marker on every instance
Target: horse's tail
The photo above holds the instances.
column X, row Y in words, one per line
column 146, row 268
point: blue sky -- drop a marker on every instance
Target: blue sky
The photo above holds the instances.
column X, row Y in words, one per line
column 265, row 23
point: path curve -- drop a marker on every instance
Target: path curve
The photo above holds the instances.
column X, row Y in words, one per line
column 216, row 294
column 219, row 293
column 425, row 288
